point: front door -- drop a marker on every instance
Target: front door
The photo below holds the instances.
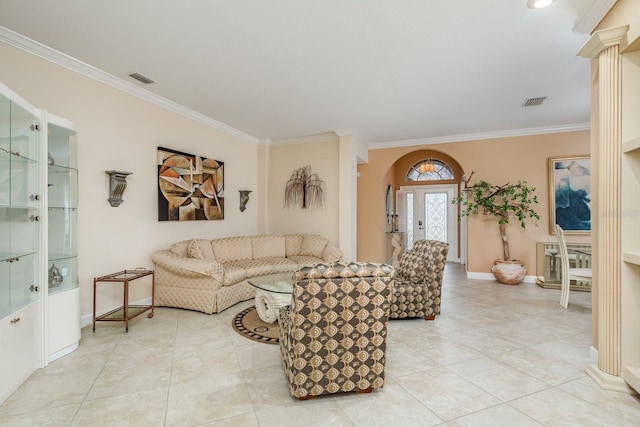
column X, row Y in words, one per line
column 426, row 212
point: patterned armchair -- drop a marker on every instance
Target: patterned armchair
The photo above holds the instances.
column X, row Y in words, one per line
column 418, row 282
column 333, row 335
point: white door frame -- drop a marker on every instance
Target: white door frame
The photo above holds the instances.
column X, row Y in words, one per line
column 452, row 215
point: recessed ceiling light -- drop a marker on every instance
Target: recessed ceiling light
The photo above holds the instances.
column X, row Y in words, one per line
column 539, row 4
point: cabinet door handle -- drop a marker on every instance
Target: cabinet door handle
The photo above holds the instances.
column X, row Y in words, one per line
column 14, row 321
column 34, row 197
column 34, row 288
column 34, row 217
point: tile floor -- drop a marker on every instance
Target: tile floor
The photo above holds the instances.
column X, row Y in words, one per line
column 497, row 356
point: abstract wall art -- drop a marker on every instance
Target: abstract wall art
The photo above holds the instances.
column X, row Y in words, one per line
column 190, row 187
column 570, row 194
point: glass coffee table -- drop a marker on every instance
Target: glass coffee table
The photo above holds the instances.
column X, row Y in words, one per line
column 273, row 292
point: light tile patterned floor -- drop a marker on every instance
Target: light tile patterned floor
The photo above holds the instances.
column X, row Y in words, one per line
column 497, row 356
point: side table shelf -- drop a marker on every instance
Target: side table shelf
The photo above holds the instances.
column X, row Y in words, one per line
column 126, row 312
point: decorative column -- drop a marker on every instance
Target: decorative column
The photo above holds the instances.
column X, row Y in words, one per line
column 605, row 46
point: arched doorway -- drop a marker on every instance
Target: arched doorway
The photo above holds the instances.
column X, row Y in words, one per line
column 424, row 184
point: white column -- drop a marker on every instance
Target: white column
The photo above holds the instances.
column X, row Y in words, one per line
column 605, row 46
column 350, row 145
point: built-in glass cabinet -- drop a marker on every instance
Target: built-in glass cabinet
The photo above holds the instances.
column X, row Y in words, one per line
column 62, row 327
column 19, row 205
column 21, row 247
column 39, row 292
column 62, row 208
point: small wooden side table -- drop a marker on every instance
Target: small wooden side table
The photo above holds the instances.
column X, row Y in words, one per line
column 126, row 312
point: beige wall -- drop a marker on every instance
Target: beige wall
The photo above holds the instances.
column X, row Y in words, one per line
column 624, row 12
column 119, row 131
column 283, row 160
column 495, row 160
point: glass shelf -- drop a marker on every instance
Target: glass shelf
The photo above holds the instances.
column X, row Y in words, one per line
column 60, row 257
column 18, row 230
column 62, row 231
column 63, row 187
column 17, row 281
column 62, row 147
column 7, row 256
column 18, row 180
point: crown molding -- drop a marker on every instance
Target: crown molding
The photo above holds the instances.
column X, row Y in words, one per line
column 353, row 132
column 603, row 39
column 592, row 17
column 21, row 42
column 481, row 136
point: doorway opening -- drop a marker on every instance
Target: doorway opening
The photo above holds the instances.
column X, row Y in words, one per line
column 422, row 185
column 426, row 212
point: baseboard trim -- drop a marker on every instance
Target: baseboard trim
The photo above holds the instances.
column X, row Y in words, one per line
column 489, row 276
column 608, row 381
column 87, row 319
column 593, row 355
column 58, row 354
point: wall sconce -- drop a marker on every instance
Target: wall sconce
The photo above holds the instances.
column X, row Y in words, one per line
column 117, row 184
column 244, row 198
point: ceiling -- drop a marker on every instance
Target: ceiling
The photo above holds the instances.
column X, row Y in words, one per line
column 389, row 70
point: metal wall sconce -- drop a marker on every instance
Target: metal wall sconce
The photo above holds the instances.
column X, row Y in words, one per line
column 244, row 198
column 117, row 185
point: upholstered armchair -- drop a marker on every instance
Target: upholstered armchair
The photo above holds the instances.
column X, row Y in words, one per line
column 333, row 335
column 418, row 282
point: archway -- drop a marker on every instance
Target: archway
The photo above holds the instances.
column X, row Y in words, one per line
column 423, row 184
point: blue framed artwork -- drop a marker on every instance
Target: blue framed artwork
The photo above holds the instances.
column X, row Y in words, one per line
column 570, row 194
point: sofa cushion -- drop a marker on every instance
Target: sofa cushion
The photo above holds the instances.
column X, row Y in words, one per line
column 268, row 246
column 205, row 248
column 305, row 260
column 194, row 251
column 253, row 267
column 233, row 274
column 313, row 245
column 232, row 249
column 293, row 243
column 413, row 267
column 281, row 264
column 180, row 248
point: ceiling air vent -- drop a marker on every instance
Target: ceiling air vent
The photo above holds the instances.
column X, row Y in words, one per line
column 532, row 102
column 141, row 78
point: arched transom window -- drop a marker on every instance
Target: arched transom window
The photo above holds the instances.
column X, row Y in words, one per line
column 441, row 171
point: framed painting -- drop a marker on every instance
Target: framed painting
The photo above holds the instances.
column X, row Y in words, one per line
column 190, row 187
column 570, row 194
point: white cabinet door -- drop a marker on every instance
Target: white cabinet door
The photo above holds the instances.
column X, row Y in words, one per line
column 20, row 349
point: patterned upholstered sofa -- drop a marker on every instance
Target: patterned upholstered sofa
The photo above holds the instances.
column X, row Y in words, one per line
column 418, row 282
column 333, row 335
column 211, row 275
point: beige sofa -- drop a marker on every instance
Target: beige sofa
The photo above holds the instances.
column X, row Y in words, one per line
column 211, row 275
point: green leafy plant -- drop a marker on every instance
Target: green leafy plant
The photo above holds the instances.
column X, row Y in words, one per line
column 501, row 201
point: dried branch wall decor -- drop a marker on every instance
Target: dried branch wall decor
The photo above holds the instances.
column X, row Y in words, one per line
column 304, row 190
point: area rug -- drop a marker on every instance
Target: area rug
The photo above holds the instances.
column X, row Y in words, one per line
column 249, row 325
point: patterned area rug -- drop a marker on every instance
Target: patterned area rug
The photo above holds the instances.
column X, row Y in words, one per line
column 249, row 325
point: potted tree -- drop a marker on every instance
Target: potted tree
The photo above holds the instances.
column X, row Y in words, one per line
column 503, row 202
